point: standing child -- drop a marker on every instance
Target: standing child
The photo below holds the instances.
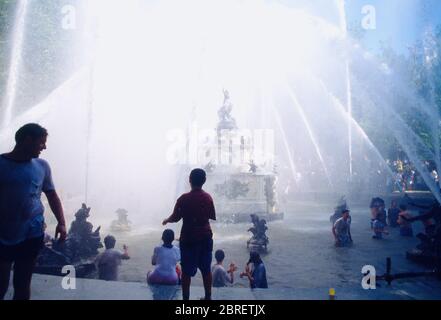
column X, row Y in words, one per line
column 195, row 208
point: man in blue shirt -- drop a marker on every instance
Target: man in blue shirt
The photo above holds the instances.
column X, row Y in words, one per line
column 23, row 177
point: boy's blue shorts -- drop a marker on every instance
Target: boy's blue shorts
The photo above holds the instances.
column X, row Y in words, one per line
column 197, row 255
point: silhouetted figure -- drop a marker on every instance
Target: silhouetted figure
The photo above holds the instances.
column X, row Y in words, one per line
column 195, row 208
column 23, row 177
column 109, row 261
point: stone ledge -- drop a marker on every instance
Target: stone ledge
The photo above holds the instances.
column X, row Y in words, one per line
column 49, row 288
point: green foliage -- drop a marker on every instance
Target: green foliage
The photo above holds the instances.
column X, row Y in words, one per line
column 418, row 76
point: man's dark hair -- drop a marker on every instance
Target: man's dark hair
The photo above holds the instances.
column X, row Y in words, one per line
column 345, row 211
column 255, row 258
column 198, row 177
column 219, row 255
column 109, row 242
column 32, row 130
column 168, row 236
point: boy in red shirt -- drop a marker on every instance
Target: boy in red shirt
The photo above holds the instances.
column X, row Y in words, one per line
column 195, row 209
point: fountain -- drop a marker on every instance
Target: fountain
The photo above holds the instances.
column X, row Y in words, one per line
column 284, row 109
column 241, row 176
column 116, row 121
column 17, row 39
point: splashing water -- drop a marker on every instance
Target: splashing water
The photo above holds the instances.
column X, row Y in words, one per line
column 149, row 72
column 14, row 69
column 299, row 108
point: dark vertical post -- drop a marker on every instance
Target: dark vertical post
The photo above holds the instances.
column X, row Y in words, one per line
column 388, row 270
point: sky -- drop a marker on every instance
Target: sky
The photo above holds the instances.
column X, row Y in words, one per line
column 399, row 23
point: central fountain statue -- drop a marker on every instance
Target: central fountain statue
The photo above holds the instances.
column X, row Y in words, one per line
column 240, row 182
column 226, row 120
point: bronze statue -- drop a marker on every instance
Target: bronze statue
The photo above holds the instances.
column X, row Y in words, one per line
column 253, row 167
column 82, row 242
column 259, row 241
column 226, row 120
column 122, row 224
column 79, row 249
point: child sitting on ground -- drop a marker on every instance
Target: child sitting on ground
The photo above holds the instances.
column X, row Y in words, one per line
column 377, row 223
column 221, row 277
column 108, row 261
column 342, row 230
column 165, row 259
column 257, row 273
column 379, row 229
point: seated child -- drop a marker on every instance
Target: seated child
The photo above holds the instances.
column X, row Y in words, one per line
column 405, row 226
column 377, row 223
column 379, row 229
column 165, row 259
column 221, row 277
column 108, row 261
column 257, row 273
column 342, row 230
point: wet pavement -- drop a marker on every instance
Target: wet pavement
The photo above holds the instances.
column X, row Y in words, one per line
column 302, row 262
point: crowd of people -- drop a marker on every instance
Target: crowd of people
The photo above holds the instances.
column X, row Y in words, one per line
column 397, row 216
column 407, row 178
column 24, row 177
